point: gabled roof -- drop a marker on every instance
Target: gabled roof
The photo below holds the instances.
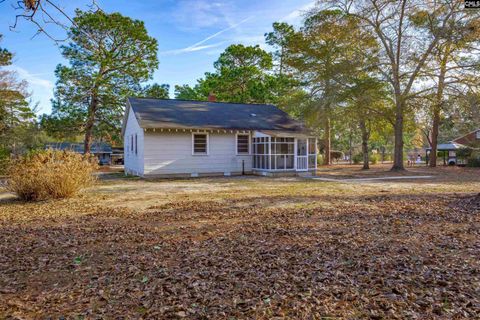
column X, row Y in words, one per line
column 450, row 146
column 469, row 138
column 184, row 114
column 96, row 147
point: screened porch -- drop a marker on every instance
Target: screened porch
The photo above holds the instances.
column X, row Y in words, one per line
column 284, row 153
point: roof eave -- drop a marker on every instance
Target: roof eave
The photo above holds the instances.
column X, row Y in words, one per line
column 184, row 128
column 125, row 116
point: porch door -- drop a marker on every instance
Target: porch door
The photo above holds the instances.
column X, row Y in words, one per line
column 302, row 155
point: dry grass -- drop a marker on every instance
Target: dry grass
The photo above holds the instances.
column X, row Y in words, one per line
column 247, row 248
column 50, row 174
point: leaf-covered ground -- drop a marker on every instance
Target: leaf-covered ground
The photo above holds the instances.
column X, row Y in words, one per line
column 246, row 248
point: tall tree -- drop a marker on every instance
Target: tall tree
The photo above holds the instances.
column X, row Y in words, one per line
column 452, row 64
column 367, row 103
column 405, row 47
column 186, row 92
column 279, row 38
column 322, row 55
column 109, row 56
column 15, row 111
column 243, row 74
column 157, row 91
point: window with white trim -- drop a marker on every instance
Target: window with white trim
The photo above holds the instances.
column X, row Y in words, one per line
column 131, row 143
column 243, row 144
column 200, row 143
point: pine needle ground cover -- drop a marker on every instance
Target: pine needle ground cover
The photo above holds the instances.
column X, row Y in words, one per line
column 238, row 248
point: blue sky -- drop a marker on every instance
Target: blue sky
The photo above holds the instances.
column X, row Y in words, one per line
column 190, row 33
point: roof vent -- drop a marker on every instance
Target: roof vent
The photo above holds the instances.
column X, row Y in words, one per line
column 253, row 114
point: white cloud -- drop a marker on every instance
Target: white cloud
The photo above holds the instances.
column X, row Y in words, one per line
column 32, row 78
column 196, row 14
column 297, row 14
column 222, row 31
column 190, row 49
column 42, row 89
column 199, row 45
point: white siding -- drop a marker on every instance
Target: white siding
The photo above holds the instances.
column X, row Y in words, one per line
column 171, row 153
column 133, row 161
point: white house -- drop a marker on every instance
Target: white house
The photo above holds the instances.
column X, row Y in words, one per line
column 194, row 138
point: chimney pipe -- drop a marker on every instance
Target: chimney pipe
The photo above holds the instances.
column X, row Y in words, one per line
column 212, row 97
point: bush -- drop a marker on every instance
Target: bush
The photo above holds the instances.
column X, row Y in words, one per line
column 50, row 175
column 320, row 159
column 474, row 159
column 387, row 157
column 464, row 153
column 358, row 158
column 374, row 158
column 4, row 160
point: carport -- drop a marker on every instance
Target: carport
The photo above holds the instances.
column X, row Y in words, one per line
column 449, row 151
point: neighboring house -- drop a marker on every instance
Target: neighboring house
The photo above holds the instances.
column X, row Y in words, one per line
column 101, row 150
column 192, row 138
column 471, row 139
column 448, row 152
column 117, row 155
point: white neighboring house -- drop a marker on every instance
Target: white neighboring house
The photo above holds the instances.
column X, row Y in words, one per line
column 195, row 138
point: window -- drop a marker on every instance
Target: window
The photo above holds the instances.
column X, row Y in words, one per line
column 136, row 144
column 131, row 143
column 200, row 143
column 243, row 144
column 478, row 135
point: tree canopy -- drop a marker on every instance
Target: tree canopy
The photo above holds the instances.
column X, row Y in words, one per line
column 16, row 115
column 109, row 56
column 243, row 74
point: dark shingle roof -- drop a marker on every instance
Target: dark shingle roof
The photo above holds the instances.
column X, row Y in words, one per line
column 97, row 147
column 183, row 114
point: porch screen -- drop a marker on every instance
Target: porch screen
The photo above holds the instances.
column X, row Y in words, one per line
column 261, row 151
column 283, row 153
column 273, row 153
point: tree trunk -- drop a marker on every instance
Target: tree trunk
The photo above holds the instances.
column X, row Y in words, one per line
column 437, row 107
column 327, row 138
column 434, row 138
column 398, row 147
column 90, row 123
column 365, row 136
column 350, row 145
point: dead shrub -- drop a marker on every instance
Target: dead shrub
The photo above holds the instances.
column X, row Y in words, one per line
column 50, row 174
